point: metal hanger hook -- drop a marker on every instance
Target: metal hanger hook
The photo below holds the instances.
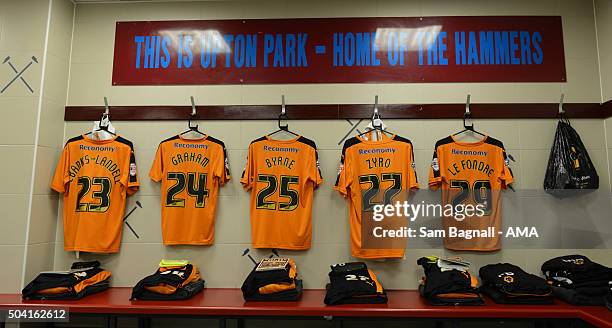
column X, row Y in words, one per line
column 106, row 108
column 283, row 109
column 193, row 115
column 105, row 115
column 375, row 113
column 283, row 115
column 561, row 110
column 194, row 111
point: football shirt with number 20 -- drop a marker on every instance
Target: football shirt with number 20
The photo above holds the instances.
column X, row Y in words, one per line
column 471, row 173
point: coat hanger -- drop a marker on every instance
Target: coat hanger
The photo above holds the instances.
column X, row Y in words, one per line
column 466, row 117
column 105, row 119
column 192, row 116
column 283, row 116
column 376, row 123
column 104, row 122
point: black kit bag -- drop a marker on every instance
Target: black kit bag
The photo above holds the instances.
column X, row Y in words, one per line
column 569, row 166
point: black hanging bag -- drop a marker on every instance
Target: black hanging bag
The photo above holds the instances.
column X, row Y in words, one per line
column 570, row 168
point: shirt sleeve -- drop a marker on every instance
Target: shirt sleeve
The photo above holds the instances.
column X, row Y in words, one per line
column 221, row 171
column 61, row 177
column 505, row 176
column 314, row 170
column 435, row 175
column 249, row 170
column 132, row 181
column 344, row 179
column 157, row 169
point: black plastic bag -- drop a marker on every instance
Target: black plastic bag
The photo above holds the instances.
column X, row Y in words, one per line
column 570, row 168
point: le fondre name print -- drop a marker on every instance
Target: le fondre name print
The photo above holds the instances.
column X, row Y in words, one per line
column 340, row 50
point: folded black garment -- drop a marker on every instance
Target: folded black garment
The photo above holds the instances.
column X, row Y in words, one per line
column 85, row 278
column 593, row 283
column 169, row 284
column 449, row 287
column 262, row 278
column 256, row 279
column 609, row 301
column 502, row 298
column 335, row 298
column 468, row 298
column 438, row 281
column 72, row 295
column 573, row 297
column 353, row 283
column 273, row 285
column 282, row 296
column 183, row 293
column 565, row 271
column 84, row 265
column 508, row 284
column 342, row 268
column 592, row 291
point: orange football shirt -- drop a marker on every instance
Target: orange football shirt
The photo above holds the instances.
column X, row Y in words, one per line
column 281, row 176
column 95, row 177
column 190, row 172
column 471, row 173
column 385, row 164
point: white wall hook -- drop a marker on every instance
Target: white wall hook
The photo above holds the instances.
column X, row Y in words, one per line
column 283, row 110
column 106, row 108
column 194, row 111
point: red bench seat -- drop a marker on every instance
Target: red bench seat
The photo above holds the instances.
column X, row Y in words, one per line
column 229, row 302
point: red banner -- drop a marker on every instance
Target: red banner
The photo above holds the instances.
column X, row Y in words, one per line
column 340, row 50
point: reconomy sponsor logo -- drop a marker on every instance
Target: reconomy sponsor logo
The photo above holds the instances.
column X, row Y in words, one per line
column 97, row 148
column 469, row 152
column 192, row 146
column 376, row 151
column 281, row 149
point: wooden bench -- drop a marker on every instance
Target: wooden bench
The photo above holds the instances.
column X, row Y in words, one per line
column 227, row 303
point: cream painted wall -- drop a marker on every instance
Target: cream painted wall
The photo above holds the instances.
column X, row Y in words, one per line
column 29, row 153
column 43, row 219
column 528, row 140
column 603, row 17
column 19, row 108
